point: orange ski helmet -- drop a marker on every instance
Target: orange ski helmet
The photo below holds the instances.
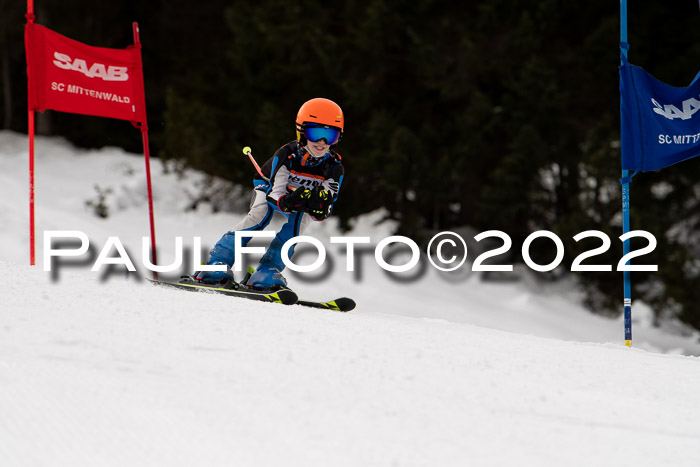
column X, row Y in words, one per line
column 320, row 116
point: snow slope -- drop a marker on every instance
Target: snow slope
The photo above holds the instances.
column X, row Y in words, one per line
column 118, row 372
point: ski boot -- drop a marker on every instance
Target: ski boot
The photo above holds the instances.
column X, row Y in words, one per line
column 215, row 277
column 267, row 277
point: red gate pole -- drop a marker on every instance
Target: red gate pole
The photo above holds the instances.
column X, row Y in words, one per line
column 147, row 156
column 30, row 131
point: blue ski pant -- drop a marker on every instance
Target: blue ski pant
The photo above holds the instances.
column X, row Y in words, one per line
column 258, row 217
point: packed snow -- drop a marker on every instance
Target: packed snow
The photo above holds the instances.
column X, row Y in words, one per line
column 103, row 368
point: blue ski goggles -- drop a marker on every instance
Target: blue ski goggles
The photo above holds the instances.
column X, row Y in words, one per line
column 315, row 133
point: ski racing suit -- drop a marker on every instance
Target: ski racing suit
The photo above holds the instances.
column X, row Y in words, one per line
column 291, row 167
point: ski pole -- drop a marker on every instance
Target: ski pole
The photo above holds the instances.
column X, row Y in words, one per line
column 249, row 152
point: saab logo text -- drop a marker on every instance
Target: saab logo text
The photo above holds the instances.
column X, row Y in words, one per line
column 687, row 110
column 96, row 70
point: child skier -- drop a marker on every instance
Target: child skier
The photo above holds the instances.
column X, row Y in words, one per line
column 301, row 181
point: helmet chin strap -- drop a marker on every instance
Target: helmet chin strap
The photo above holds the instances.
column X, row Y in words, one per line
column 308, row 153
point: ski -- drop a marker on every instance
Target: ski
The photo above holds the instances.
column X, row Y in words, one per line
column 342, row 304
column 235, row 289
column 283, row 296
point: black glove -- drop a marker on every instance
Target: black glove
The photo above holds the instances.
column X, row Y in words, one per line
column 297, row 200
column 319, row 203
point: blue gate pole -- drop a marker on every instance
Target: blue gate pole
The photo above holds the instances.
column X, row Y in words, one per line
column 627, row 302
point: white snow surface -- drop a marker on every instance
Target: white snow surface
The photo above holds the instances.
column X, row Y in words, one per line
column 112, row 371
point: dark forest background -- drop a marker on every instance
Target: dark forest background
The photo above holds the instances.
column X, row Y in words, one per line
column 495, row 114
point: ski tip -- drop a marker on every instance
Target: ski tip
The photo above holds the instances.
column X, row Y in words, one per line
column 344, row 304
column 285, row 296
column 339, row 304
